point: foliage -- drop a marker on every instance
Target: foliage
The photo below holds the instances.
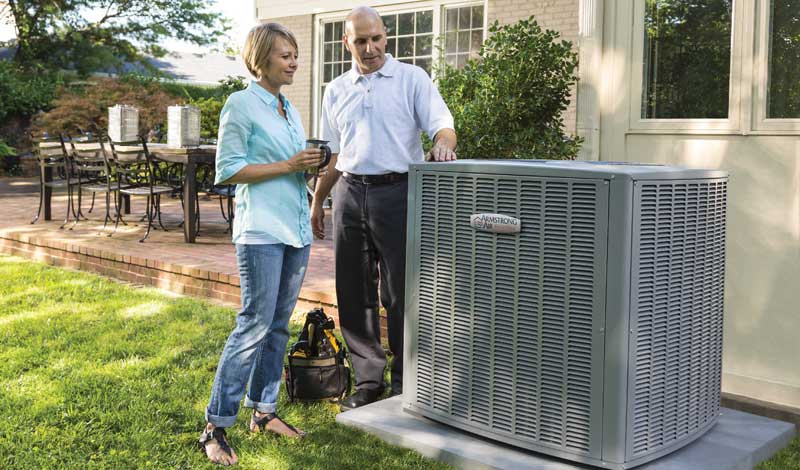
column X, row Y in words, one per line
column 509, row 103
column 92, row 35
column 85, row 109
column 6, row 150
column 211, row 106
column 25, row 91
column 95, row 374
column 687, row 59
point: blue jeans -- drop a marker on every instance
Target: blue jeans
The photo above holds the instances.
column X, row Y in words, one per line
column 270, row 279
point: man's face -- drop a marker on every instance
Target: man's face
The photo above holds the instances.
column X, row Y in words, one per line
column 366, row 40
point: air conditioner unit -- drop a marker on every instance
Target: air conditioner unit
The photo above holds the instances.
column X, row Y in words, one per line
column 568, row 308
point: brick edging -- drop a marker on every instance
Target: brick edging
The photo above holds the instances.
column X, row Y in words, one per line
column 172, row 277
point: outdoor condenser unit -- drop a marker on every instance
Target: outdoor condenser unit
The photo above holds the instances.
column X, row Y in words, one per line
column 569, row 308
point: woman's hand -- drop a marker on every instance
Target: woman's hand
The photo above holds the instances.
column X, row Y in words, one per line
column 305, row 159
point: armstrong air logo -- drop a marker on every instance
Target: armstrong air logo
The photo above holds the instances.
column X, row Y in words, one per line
column 497, row 223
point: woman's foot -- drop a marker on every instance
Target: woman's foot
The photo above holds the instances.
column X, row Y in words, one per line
column 273, row 423
column 215, row 444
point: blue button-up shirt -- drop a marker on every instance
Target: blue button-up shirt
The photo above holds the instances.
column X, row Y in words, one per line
column 252, row 131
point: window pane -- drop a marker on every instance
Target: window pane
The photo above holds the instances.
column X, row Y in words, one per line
column 328, row 76
column 784, row 60
column 405, row 47
column 337, row 30
column 477, row 17
column 425, row 64
column 346, row 66
column 477, row 40
column 424, row 21
column 391, row 24
column 391, row 47
column 337, row 51
column 328, row 52
column 463, row 18
column 462, row 60
column 337, row 70
column 463, row 41
column 407, row 61
column 452, row 19
column 424, row 45
column 405, row 23
column 347, row 56
column 687, row 55
column 450, row 42
column 329, row 32
column 451, row 60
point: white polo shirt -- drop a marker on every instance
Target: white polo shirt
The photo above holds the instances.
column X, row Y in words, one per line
column 374, row 121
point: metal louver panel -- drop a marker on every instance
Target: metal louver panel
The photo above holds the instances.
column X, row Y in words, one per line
column 508, row 325
column 677, row 309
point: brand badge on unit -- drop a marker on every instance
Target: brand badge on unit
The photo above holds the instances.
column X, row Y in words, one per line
column 497, row 223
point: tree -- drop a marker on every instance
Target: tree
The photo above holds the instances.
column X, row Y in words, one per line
column 509, row 103
column 91, row 35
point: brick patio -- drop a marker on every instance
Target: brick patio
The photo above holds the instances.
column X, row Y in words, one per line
column 203, row 269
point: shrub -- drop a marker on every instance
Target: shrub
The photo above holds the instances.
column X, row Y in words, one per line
column 509, row 102
column 23, row 92
column 210, row 106
column 85, row 109
column 9, row 162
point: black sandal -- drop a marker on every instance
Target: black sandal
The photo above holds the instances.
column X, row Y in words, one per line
column 260, row 424
column 217, row 434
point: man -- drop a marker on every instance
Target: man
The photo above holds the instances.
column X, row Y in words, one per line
column 373, row 115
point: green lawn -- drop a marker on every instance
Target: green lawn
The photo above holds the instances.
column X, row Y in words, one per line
column 96, row 374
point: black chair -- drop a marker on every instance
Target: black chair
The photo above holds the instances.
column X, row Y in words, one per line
column 55, row 172
column 92, row 166
column 225, row 192
column 137, row 174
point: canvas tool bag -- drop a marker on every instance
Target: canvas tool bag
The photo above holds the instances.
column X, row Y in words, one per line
column 317, row 365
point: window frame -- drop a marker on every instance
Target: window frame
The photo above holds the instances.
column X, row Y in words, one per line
column 318, row 32
column 731, row 124
column 762, row 123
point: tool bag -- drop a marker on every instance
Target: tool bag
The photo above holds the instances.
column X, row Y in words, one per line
column 317, row 366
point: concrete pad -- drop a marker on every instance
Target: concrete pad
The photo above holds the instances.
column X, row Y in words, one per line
column 739, row 441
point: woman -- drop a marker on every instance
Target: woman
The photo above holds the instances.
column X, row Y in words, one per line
column 260, row 149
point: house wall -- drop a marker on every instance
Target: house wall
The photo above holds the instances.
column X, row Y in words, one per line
column 299, row 92
column 760, row 350
column 560, row 16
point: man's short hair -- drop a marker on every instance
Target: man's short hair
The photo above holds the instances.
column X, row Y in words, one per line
column 259, row 43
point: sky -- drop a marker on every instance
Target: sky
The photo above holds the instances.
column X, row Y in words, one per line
column 240, row 12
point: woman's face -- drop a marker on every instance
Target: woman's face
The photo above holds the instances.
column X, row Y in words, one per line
column 282, row 63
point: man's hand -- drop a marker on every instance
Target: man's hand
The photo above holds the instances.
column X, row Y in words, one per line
column 440, row 153
column 444, row 144
column 317, row 220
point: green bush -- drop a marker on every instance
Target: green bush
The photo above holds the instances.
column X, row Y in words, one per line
column 24, row 92
column 211, row 105
column 509, row 103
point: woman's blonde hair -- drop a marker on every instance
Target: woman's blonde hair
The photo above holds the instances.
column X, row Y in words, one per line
column 259, row 43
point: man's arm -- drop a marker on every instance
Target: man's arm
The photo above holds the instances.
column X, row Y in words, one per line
column 444, row 145
column 321, row 191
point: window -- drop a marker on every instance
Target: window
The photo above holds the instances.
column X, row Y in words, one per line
column 336, row 59
column 463, row 34
column 409, row 37
column 783, row 91
column 687, row 59
column 413, row 35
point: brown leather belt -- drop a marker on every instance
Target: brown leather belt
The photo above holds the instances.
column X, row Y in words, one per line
column 387, row 178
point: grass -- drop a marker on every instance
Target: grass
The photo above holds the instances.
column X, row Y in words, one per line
column 96, row 374
column 787, row 459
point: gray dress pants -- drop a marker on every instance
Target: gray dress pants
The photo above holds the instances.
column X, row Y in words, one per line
column 369, row 225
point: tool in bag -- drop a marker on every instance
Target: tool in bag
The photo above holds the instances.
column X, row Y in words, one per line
column 317, row 367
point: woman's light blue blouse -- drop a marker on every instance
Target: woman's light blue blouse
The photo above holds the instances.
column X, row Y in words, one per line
column 252, row 131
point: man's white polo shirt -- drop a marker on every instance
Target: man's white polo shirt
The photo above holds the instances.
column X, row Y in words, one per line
column 374, row 121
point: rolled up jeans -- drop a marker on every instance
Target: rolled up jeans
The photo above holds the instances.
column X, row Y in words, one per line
column 270, row 277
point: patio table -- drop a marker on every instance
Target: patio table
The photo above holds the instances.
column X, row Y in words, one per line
column 189, row 157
